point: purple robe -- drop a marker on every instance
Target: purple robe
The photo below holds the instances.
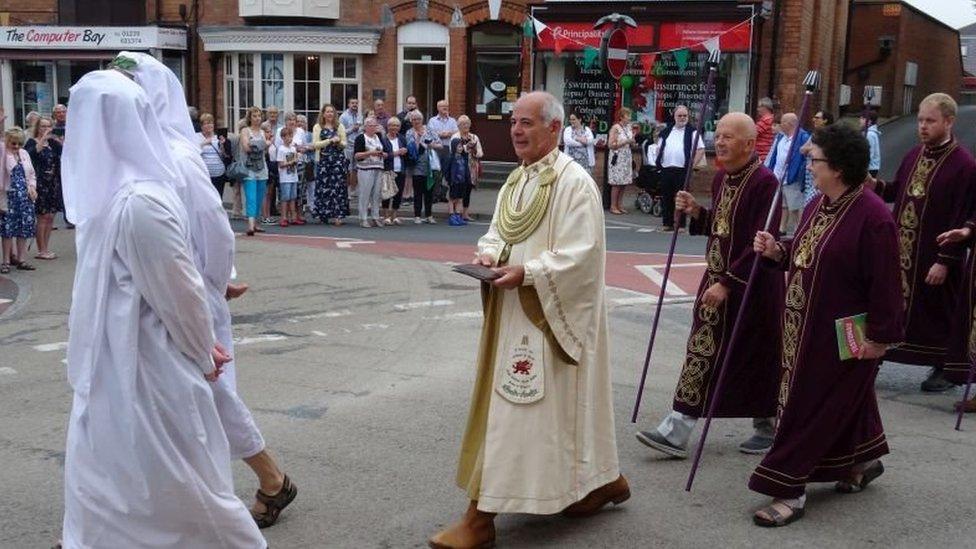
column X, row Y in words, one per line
column 932, row 194
column 962, row 337
column 741, row 202
column 842, row 262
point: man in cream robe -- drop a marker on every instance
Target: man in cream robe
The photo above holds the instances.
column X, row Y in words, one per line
column 213, row 255
column 147, row 463
column 540, row 434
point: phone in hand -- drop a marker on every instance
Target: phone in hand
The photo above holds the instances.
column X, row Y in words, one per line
column 221, row 132
column 58, row 132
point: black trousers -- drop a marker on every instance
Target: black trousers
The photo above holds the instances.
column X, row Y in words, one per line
column 466, row 199
column 218, row 183
column 397, row 199
column 423, row 198
column 672, row 180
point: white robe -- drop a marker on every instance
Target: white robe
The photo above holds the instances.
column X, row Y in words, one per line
column 147, row 462
column 213, row 255
column 542, row 457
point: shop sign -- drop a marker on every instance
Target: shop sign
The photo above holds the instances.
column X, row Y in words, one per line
column 91, row 38
column 577, row 36
column 734, row 37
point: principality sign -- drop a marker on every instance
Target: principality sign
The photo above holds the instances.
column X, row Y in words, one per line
column 92, row 38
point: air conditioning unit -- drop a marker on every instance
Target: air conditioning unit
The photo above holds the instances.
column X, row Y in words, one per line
column 872, row 95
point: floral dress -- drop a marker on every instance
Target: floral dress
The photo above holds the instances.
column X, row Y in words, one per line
column 47, row 162
column 19, row 220
column 580, row 154
column 622, row 171
column 331, row 194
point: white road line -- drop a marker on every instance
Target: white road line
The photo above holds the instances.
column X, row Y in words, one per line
column 349, row 243
column 658, row 278
column 325, row 314
column 5, row 301
column 422, row 304
column 673, row 265
column 320, row 334
column 633, row 300
column 49, row 347
column 7, row 371
column 374, row 326
column 463, row 314
column 265, row 338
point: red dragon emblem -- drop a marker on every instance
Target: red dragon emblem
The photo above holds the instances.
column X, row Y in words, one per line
column 522, row 367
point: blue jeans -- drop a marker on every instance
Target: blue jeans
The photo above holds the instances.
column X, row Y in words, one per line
column 254, row 191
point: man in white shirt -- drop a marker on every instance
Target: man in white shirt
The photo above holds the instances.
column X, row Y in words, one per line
column 352, row 120
column 673, row 156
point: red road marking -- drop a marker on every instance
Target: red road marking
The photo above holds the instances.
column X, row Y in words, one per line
column 686, row 270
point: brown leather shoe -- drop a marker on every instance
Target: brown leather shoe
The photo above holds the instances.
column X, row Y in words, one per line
column 615, row 492
column 476, row 530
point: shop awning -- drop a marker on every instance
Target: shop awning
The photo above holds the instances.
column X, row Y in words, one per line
column 297, row 39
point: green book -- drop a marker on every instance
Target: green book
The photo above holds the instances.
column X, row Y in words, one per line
column 850, row 335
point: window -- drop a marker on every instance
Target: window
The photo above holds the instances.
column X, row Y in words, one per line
column 245, row 84
column 344, row 67
column 273, row 80
column 345, row 85
column 230, row 97
column 307, row 85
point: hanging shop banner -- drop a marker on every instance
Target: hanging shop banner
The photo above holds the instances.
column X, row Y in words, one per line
column 734, row 37
column 577, row 36
column 91, row 38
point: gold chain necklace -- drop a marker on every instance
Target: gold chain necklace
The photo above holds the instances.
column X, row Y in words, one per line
column 516, row 225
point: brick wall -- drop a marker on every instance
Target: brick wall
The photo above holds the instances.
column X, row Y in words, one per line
column 30, row 12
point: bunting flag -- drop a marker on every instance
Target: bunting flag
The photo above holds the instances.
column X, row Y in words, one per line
column 487, row 96
column 558, row 44
column 648, row 60
column 712, row 45
column 681, row 58
column 528, row 29
column 539, row 26
column 591, row 56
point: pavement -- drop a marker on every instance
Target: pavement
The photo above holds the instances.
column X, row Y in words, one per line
column 355, row 350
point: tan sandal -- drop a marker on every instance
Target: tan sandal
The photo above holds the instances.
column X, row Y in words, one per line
column 776, row 517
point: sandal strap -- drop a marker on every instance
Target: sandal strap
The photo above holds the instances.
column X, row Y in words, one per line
column 275, row 500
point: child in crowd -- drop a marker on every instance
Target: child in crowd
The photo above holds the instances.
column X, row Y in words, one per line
column 288, row 161
column 270, row 207
column 19, row 185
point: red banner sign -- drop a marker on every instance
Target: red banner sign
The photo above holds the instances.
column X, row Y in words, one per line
column 735, row 37
column 576, row 36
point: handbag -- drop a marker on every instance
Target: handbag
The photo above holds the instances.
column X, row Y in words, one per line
column 236, row 170
column 389, row 188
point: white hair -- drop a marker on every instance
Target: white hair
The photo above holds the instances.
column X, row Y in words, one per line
column 552, row 109
column 415, row 114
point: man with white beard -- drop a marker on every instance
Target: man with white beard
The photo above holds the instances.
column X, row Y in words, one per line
column 147, row 463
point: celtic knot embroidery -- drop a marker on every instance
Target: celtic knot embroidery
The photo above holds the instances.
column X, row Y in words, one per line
column 715, row 262
column 920, row 177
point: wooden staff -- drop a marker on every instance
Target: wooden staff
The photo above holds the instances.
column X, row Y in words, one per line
column 965, row 395
column 713, row 59
column 811, row 82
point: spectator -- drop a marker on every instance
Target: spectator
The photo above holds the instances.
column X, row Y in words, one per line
column 579, row 143
column 462, row 167
column 237, row 185
column 444, row 127
column 421, row 144
column 764, row 128
column 331, row 192
column 30, row 120
column 820, row 120
column 287, row 157
column 352, row 122
column 379, row 112
column 253, row 150
column 621, row 172
column 194, row 118
column 369, row 154
column 214, row 153
column 674, row 153
column 20, row 185
column 271, row 117
column 306, row 171
column 60, row 115
column 396, row 152
column 269, row 207
column 793, row 176
column 404, row 115
column 870, row 126
column 44, row 149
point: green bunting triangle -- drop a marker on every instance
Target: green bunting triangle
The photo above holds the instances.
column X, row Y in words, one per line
column 681, row 57
column 528, row 29
column 590, row 57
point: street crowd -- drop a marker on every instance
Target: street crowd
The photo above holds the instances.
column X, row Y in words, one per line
column 150, row 338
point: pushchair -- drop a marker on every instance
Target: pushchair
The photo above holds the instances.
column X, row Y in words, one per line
column 648, row 183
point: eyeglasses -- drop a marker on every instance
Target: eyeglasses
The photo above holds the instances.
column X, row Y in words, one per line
column 813, row 159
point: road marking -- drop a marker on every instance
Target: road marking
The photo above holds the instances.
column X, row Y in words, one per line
column 326, row 314
column 5, row 301
column 422, row 304
column 49, row 347
column 375, row 326
column 7, row 371
column 265, row 338
column 349, row 243
column 647, row 230
column 673, row 265
column 320, row 334
column 656, row 277
column 463, row 314
column 640, row 300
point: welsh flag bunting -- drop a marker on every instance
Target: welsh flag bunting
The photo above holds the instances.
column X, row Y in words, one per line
column 590, row 57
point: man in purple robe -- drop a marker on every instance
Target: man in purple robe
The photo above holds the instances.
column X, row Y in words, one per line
column 932, row 194
column 843, row 271
column 742, row 194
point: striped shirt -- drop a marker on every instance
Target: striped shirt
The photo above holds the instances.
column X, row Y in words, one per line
column 211, row 156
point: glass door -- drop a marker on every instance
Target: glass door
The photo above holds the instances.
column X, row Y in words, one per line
column 425, row 76
column 494, row 84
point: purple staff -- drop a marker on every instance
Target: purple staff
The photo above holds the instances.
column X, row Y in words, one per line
column 713, row 59
column 965, row 395
column 811, row 82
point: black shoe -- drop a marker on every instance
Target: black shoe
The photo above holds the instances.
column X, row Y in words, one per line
column 655, row 440
column 936, row 382
column 758, row 444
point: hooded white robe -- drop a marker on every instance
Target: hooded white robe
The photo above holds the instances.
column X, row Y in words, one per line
column 211, row 235
column 147, row 462
column 540, row 457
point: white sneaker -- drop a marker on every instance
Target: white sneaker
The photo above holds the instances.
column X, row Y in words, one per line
column 431, row 220
column 365, row 225
column 379, row 223
column 387, row 221
column 417, row 221
column 396, row 221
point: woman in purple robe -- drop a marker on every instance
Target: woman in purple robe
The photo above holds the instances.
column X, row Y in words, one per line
column 842, row 262
column 962, row 336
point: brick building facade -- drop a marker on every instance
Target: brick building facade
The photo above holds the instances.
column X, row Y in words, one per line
column 903, row 53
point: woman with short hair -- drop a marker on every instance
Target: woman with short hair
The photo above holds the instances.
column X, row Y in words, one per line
column 461, row 170
column 44, row 148
column 420, row 141
column 843, row 272
column 394, row 164
column 19, row 182
column 369, row 156
column 213, row 153
column 579, row 142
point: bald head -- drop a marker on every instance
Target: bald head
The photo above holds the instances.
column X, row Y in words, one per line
column 788, row 123
column 735, row 140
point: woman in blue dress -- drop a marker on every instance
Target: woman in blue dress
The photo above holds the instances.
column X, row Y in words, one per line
column 20, row 184
column 331, row 193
